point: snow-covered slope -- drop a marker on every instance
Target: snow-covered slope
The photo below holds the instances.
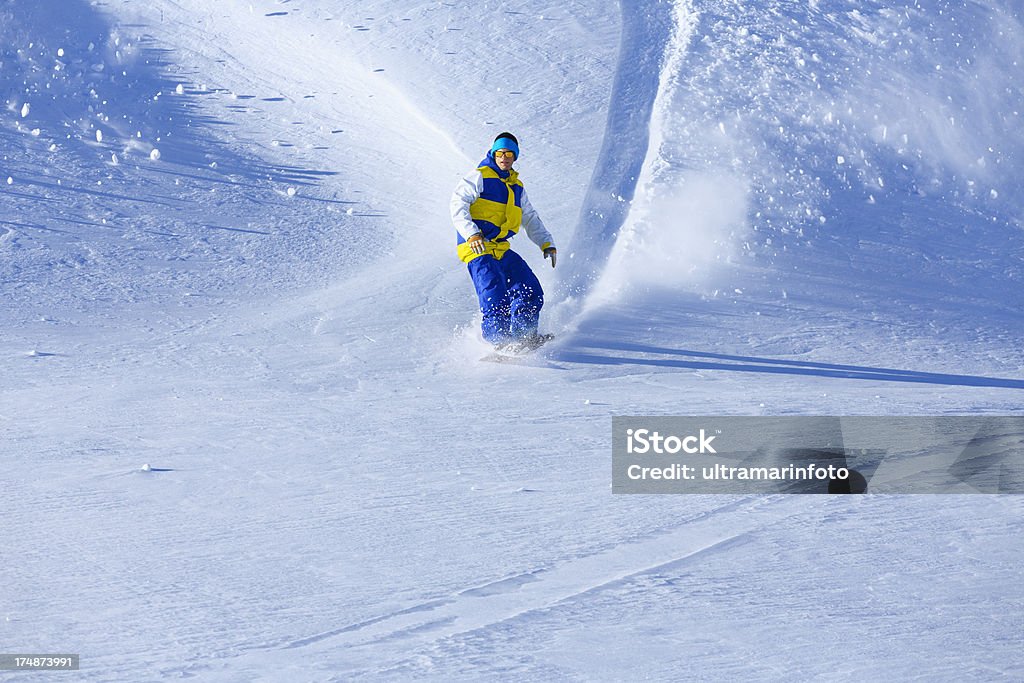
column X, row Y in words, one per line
column 225, row 254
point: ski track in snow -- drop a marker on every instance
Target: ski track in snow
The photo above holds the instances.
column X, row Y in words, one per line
column 508, row 598
column 484, row 606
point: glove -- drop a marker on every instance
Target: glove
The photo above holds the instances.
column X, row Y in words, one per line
column 476, row 243
column 551, row 253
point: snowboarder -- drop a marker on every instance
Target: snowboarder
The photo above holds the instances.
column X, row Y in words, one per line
column 488, row 207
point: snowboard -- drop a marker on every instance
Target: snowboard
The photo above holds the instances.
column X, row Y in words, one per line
column 517, row 351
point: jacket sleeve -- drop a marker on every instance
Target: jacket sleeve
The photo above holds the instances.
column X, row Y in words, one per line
column 466, row 192
column 534, row 226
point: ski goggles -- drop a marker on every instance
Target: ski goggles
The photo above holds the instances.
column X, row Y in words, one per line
column 500, row 154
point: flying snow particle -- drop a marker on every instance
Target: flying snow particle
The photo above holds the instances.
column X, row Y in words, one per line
column 114, row 160
column 154, row 155
column 349, row 212
column 180, row 89
column 10, row 180
column 36, row 132
column 24, row 110
column 99, row 135
column 993, row 194
column 840, row 160
column 60, row 52
column 291, row 191
column 146, row 468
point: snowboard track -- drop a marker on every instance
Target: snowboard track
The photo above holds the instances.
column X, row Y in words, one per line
column 498, row 601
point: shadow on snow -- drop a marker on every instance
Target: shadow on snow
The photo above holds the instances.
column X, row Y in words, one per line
column 684, row 359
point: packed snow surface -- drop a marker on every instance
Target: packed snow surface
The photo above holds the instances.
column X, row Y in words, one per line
column 245, row 431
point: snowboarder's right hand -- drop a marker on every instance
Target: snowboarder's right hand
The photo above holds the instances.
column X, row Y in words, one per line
column 476, row 243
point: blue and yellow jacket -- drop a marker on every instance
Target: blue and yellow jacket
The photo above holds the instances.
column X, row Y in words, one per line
column 493, row 202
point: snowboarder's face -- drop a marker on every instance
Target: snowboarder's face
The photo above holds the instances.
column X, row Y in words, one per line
column 504, row 158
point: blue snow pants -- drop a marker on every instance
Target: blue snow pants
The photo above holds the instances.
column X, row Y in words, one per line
column 510, row 296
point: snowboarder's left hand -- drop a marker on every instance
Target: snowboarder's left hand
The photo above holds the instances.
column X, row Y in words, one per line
column 551, row 253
